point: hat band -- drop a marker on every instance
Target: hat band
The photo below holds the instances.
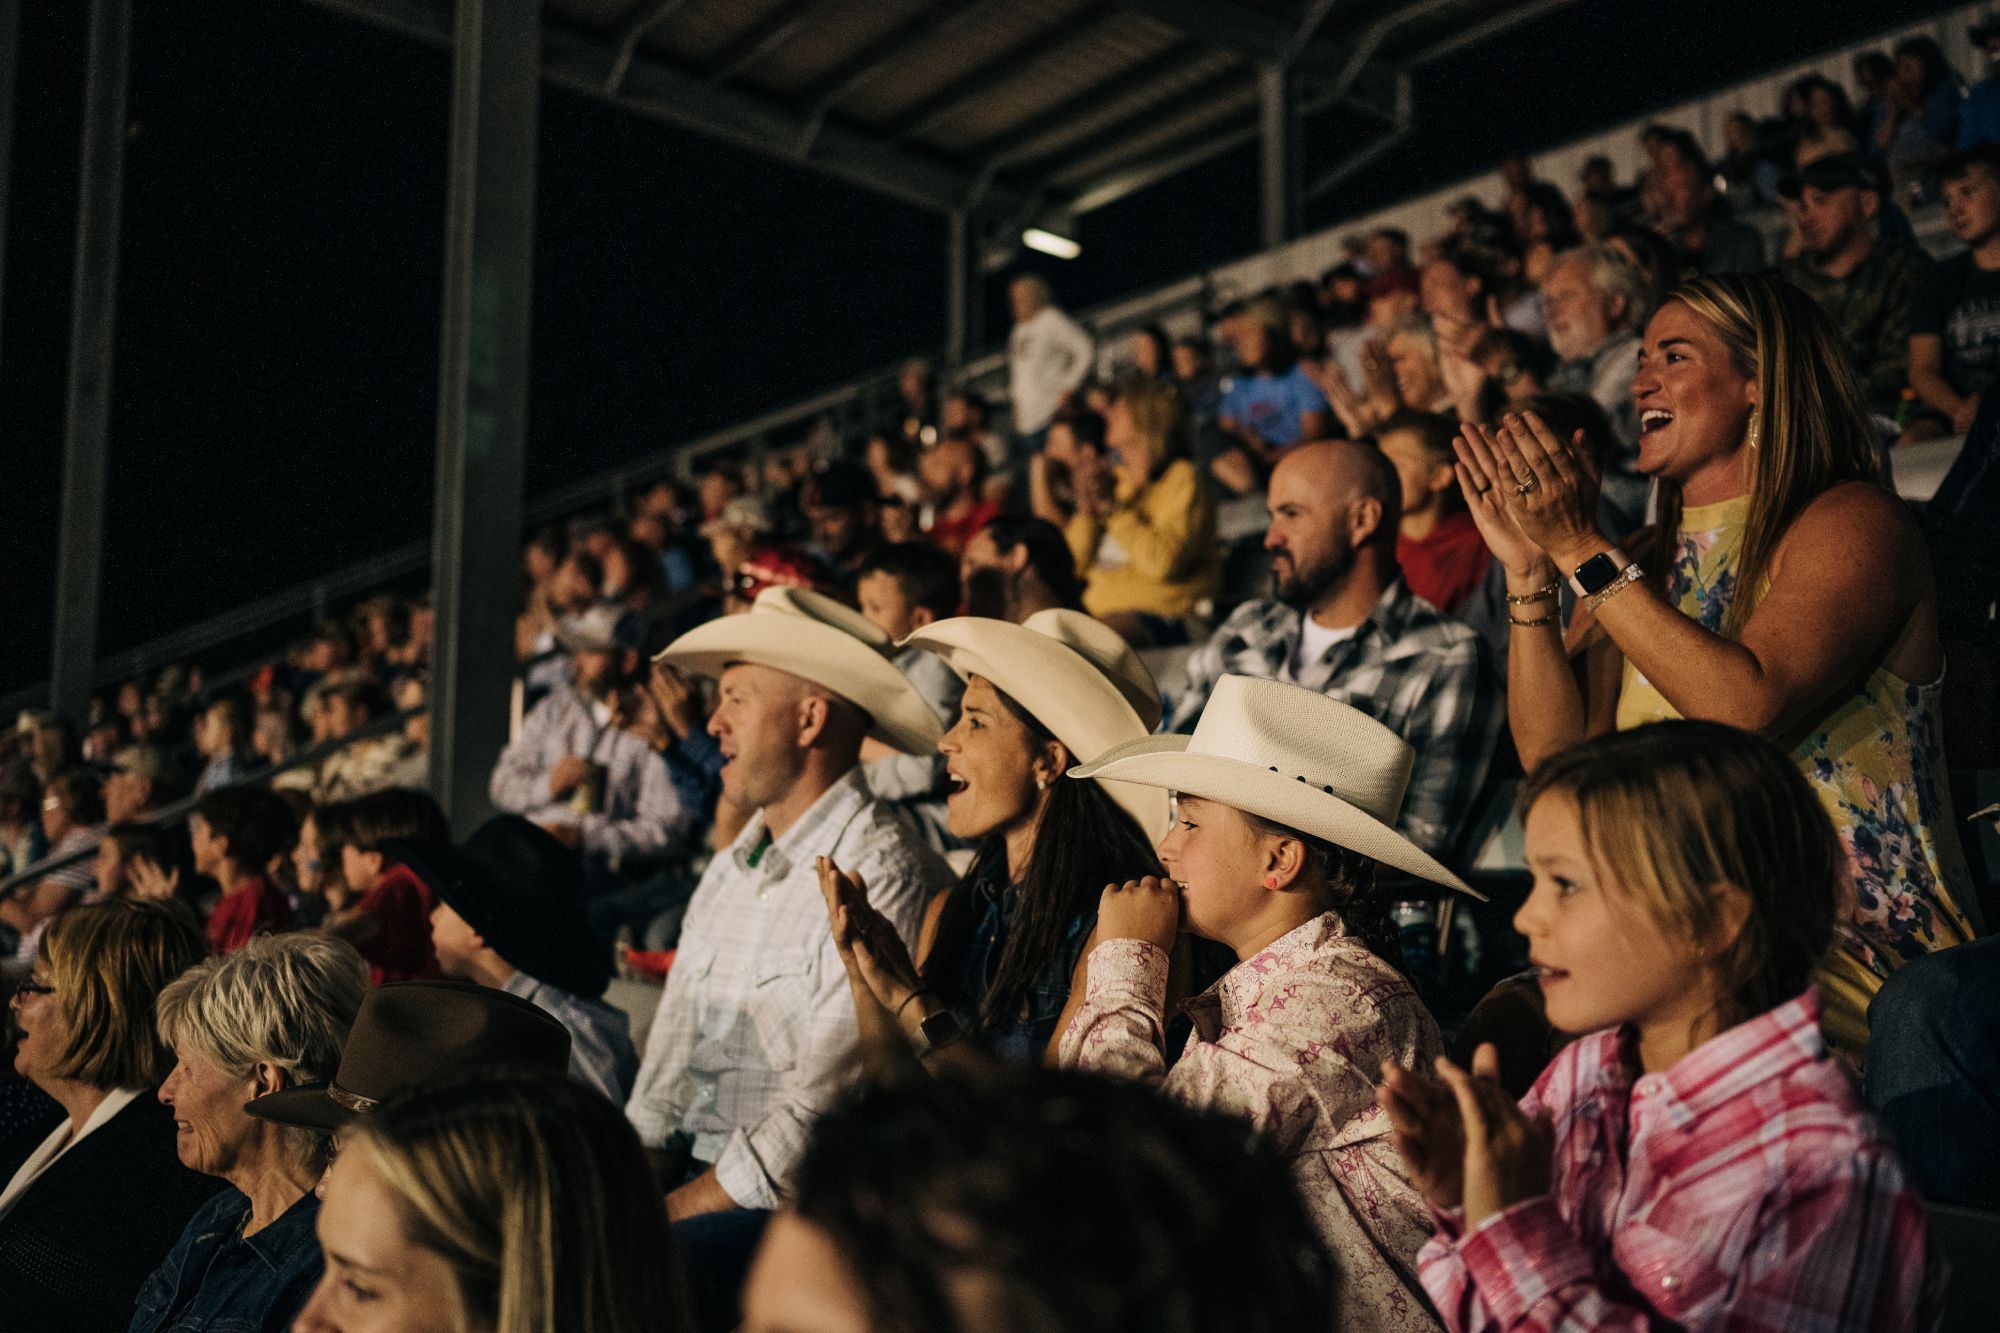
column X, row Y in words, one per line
column 353, row 1101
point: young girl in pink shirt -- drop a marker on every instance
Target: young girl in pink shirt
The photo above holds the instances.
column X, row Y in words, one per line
column 1698, row 1160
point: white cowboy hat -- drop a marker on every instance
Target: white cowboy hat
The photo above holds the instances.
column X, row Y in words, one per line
column 815, row 638
column 1292, row 756
column 1071, row 673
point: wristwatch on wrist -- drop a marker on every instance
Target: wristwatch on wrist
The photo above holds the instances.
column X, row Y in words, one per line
column 940, row 1030
column 1599, row 572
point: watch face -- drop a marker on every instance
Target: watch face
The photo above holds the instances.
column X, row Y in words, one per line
column 1597, row 572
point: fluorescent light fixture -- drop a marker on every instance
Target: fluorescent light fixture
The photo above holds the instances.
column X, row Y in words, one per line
column 1049, row 243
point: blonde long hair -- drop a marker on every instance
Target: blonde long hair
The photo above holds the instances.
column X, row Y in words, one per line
column 538, row 1195
column 1810, row 431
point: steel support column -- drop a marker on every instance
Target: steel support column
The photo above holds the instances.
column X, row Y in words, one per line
column 482, row 393
column 1281, row 185
column 965, row 308
column 94, row 301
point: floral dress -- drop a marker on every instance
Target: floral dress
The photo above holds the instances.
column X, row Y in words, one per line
column 1877, row 761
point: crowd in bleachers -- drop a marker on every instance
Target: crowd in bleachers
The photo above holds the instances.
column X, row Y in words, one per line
column 1054, row 898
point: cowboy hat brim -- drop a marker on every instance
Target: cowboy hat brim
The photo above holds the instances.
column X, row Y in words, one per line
column 309, row 1106
column 1164, row 762
column 1060, row 688
column 828, row 657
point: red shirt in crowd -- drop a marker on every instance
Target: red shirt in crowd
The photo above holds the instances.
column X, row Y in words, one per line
column 1447, row 565
column 955, row 534
column 400, row 950
column 254, row 907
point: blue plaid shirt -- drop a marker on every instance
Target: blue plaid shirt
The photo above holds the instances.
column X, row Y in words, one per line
column 1409, row 666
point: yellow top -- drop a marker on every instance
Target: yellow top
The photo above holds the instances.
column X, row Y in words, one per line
column 1876, row 759
column 1155, row 551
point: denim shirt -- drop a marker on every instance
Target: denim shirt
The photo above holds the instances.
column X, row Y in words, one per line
column 217, row 1281
column 1023, row 1038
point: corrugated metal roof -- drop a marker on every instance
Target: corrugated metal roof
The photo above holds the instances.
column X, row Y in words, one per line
column 961, row 104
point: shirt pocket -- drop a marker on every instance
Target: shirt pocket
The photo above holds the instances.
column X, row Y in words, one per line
column 1676, row 1275
column 781, row 1004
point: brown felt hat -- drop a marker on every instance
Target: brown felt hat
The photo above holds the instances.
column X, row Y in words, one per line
column 410, row 1033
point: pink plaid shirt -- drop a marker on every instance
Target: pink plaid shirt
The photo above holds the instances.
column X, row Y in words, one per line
column 1742, row 1189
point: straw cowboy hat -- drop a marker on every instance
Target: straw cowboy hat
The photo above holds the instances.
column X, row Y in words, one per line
column 1074, row 675
column 815, row 638
column 1292, row 756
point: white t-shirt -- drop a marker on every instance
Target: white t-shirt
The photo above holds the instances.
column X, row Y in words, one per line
column 1314, row 640
column 1048, row 355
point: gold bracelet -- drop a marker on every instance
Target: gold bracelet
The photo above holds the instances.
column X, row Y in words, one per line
column 1628, row 576
column 1536, row 623
column 1538, row 595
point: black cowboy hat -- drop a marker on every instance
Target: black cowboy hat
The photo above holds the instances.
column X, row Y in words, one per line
column 410, row 1033
column 523, row 891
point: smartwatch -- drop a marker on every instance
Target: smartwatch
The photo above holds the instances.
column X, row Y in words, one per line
column 940, row 1030
column 1599, row 572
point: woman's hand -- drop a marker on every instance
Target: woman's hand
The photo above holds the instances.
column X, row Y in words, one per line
column 870, row 949
column 1481, row 477
column 1507, row 1155
column 1146, row 909
column 1424, row 1121
column 149, row 880
column 1091, row 481
column 1554, row 496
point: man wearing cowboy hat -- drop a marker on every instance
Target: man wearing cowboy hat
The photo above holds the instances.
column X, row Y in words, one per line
column 1287, row 802
column 1342, row 621
column 510, row 915
column 756, row 1029
column 591, row 784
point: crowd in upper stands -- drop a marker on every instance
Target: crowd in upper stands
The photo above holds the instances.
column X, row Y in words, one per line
column 987, row 758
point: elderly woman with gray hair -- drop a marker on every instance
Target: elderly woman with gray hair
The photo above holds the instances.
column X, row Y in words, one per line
column 270, row 1016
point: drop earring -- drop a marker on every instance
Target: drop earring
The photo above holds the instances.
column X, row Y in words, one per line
column 1755, row 432
column 1041, row 783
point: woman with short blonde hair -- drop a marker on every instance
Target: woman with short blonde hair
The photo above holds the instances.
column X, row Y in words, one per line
column 272, row 1015
column 516, row 1205
column 91, row 1211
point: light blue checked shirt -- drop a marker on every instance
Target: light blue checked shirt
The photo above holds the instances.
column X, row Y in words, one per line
column 755, row 1033
column 642, row 815
column 601, row 1054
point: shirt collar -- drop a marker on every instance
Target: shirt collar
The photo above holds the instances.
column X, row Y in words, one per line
column 1244, row 986
column 278, row 1241
column 808, row 836
column 1762, row 1050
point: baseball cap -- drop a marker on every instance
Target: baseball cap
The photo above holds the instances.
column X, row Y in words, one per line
column 1836, row 171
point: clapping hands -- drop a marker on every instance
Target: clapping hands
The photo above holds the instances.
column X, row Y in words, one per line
column 1466, row 1142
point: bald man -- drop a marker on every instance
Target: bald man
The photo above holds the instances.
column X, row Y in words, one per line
column 1342, row 621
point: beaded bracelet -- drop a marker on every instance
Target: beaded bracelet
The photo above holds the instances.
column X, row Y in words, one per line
column 1538, row 595
column 1630, row 575
column 1538, row 621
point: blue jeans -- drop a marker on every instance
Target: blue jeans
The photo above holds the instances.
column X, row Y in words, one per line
column 1934, row 1071
column 716, row 1249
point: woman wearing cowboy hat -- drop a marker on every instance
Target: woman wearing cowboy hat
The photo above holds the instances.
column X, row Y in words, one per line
column 998, row 952
column 1287, row 803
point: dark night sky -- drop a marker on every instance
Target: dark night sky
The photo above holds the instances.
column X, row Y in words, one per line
column 274, row 390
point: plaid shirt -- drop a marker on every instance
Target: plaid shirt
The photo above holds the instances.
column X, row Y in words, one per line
column 1409, row 666
column 1742, row 1189
column 1290, row 1040
column 642, row 814
column 755, row 1032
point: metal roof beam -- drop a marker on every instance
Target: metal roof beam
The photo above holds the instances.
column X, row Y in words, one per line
column 1520, row 13
column 654, row 88
column 643, row 21
column 855, row 72
column 994, row 72
column 1272, row 41
column 1141, row 78
column 1104, row 145
column 1169, row 161
column 762, row 39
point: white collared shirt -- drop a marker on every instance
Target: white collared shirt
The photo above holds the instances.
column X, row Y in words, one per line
column 755, row 1032
column 60, row 1141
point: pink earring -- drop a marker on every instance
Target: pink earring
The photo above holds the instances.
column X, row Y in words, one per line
column 1270, row 881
